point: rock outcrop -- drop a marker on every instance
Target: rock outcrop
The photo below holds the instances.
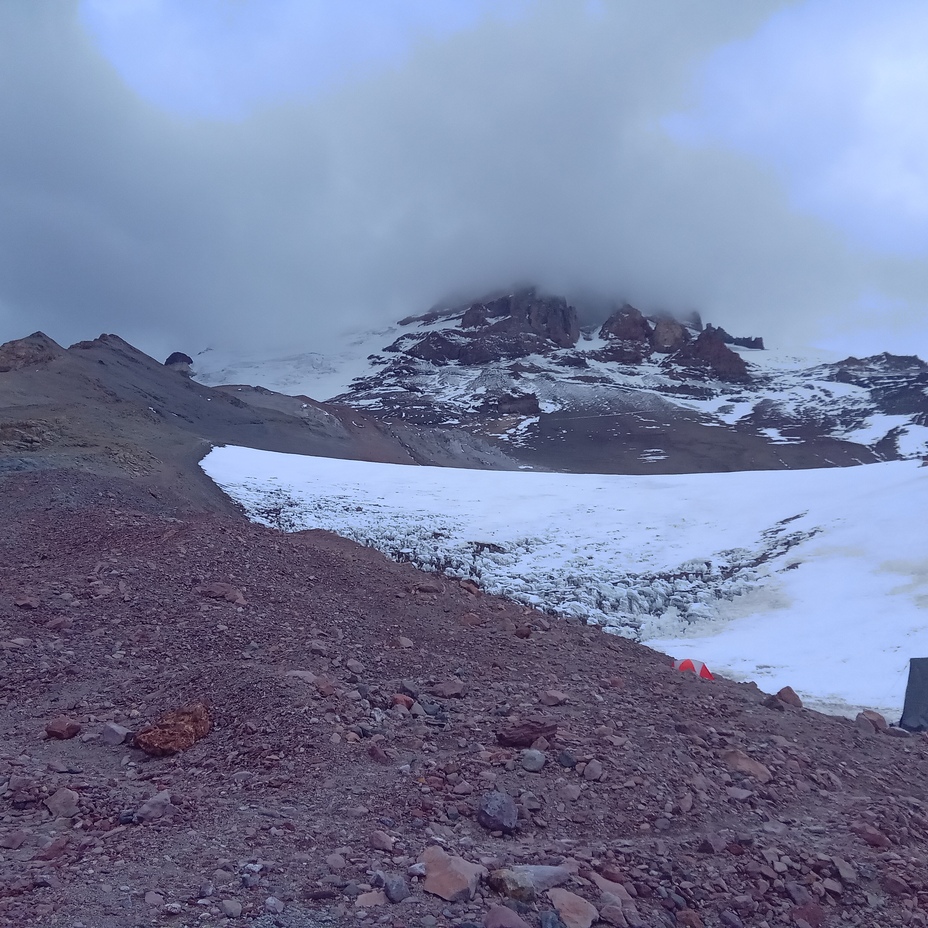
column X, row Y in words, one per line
column 709, row 351
column 180, row 362
column 669, row 336
column 627, row 324
column 34, row 349
column 506, row 328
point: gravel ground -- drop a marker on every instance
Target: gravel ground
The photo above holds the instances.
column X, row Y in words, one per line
column 361, row 712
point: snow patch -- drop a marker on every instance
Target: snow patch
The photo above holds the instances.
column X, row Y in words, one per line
column 785, row 577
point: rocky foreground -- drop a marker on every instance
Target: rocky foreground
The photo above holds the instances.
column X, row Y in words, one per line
column 360, row 743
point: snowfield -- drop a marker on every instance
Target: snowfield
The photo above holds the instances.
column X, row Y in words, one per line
column 816, row 579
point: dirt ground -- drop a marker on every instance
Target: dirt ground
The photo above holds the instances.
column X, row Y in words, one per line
column 363, row 712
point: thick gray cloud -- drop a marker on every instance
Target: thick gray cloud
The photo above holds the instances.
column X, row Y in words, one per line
column 526, row 150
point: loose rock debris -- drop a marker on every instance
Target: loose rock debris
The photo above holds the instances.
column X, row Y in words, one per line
column 335, row 779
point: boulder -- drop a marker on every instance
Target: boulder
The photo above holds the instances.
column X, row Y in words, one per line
column 452, row 878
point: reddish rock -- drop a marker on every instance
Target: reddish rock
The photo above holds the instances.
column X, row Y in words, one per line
column 62, row 728
column 789, row 696
column 27, row 601
column 452, row 878
column 524, row 733
column 710, row 352
column 574, row 910
column 501, row 916
column 878, row 722
column 741, row 763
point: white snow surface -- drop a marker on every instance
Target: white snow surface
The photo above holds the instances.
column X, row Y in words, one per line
column 817, row 579
column 319, row 374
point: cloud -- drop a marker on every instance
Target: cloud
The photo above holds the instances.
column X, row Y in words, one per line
column 518, row 149
column 831, row 93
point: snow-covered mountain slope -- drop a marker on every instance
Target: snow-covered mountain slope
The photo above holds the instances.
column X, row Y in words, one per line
column 816, row 579
column 636, row 395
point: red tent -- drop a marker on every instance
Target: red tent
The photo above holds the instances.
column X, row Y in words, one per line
column 697, row 667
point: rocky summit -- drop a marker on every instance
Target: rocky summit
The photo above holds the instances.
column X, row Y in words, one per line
column 636, row 393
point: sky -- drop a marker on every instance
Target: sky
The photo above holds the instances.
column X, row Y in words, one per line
column 261, row 175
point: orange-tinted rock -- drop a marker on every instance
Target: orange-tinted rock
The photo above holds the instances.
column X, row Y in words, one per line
column 176, row 731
